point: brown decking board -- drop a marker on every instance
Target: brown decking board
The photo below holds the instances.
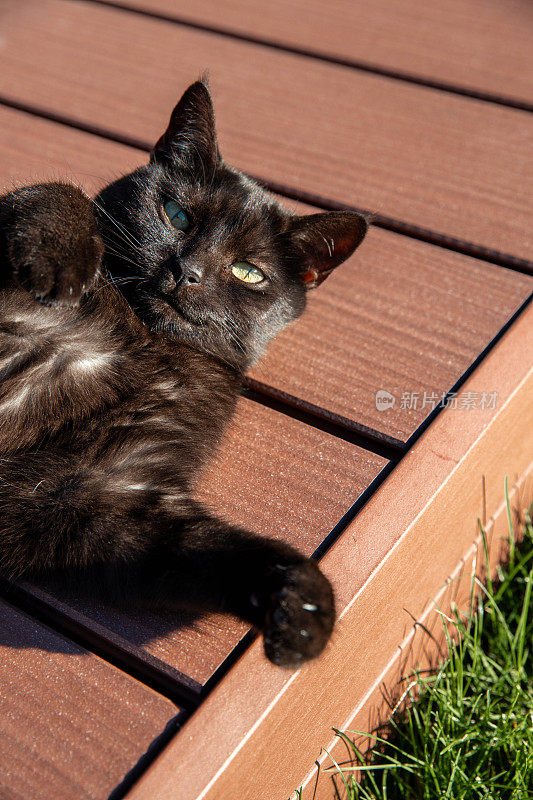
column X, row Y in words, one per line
column 401, row 316
column 35, row 150
column 389, row 35
column 446, row 164
column 414, row 316
column 70, row 724
column 275, row 475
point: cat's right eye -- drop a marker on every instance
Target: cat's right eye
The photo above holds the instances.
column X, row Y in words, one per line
column 247, row 273
column 177, row 216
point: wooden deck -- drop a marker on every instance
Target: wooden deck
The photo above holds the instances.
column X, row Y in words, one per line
column 421, row 114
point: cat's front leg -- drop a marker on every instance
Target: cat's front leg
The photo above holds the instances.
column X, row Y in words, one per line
column 51, row 243
column 205, row 561
column 298, row 613
column 146, row 546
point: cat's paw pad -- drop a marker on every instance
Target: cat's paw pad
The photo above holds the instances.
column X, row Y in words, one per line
column 300, row 616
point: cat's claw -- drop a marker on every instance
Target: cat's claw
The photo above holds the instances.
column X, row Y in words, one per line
column 300, row 618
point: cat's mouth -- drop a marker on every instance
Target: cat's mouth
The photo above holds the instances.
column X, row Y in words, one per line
column 189, row 314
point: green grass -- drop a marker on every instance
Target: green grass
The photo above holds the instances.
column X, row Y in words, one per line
column 469, row 735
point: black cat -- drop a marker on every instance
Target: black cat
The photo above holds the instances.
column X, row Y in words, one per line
column 117, row 379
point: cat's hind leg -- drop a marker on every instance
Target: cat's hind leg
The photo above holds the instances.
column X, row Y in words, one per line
column 56, row 513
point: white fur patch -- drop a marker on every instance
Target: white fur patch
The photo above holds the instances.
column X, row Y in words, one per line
column 13, row 403
column 90, row 363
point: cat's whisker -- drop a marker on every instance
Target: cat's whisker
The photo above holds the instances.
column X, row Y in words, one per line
column 128, row 278
column 112, row 219
column 113, row 251
column 232, row 326
column 112, row 248
column 116, row 248
column 114, row 238
column 224, row 326
column 127, row 235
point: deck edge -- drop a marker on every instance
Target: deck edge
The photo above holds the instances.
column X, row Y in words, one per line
column 424, row 645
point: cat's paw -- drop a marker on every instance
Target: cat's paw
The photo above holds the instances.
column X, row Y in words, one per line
column 54, row 246
column 61, row 281
column 300, row 615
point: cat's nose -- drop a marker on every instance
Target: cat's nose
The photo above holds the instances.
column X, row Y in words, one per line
column 191, row 276
column 183, row 273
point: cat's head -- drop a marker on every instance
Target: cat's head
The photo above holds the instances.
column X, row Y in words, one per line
column 203, row 253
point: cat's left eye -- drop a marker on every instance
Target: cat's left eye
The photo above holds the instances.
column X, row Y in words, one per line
column 247, row 272
column 177, row 216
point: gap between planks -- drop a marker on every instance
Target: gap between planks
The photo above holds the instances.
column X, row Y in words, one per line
column 181, row 694
column 353, row 432
column 321, row 55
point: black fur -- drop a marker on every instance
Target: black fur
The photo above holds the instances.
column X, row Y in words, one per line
column 117, row 381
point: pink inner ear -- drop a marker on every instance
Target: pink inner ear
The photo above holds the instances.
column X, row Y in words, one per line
column 313, row 277
column 344, row 246
column 310, row 276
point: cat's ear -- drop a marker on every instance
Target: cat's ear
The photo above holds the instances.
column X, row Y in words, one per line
column 191, row 135
column 325, row 241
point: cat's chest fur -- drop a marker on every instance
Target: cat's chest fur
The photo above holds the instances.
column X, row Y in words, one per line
column 94, row 377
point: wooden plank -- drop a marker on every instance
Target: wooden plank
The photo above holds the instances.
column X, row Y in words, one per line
column 413, row 319
column 70, row 724
column 479, row 46
column 402, row 317
column 299, row 482
column 34, row 150
column 262, row 729
column 451, row 165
